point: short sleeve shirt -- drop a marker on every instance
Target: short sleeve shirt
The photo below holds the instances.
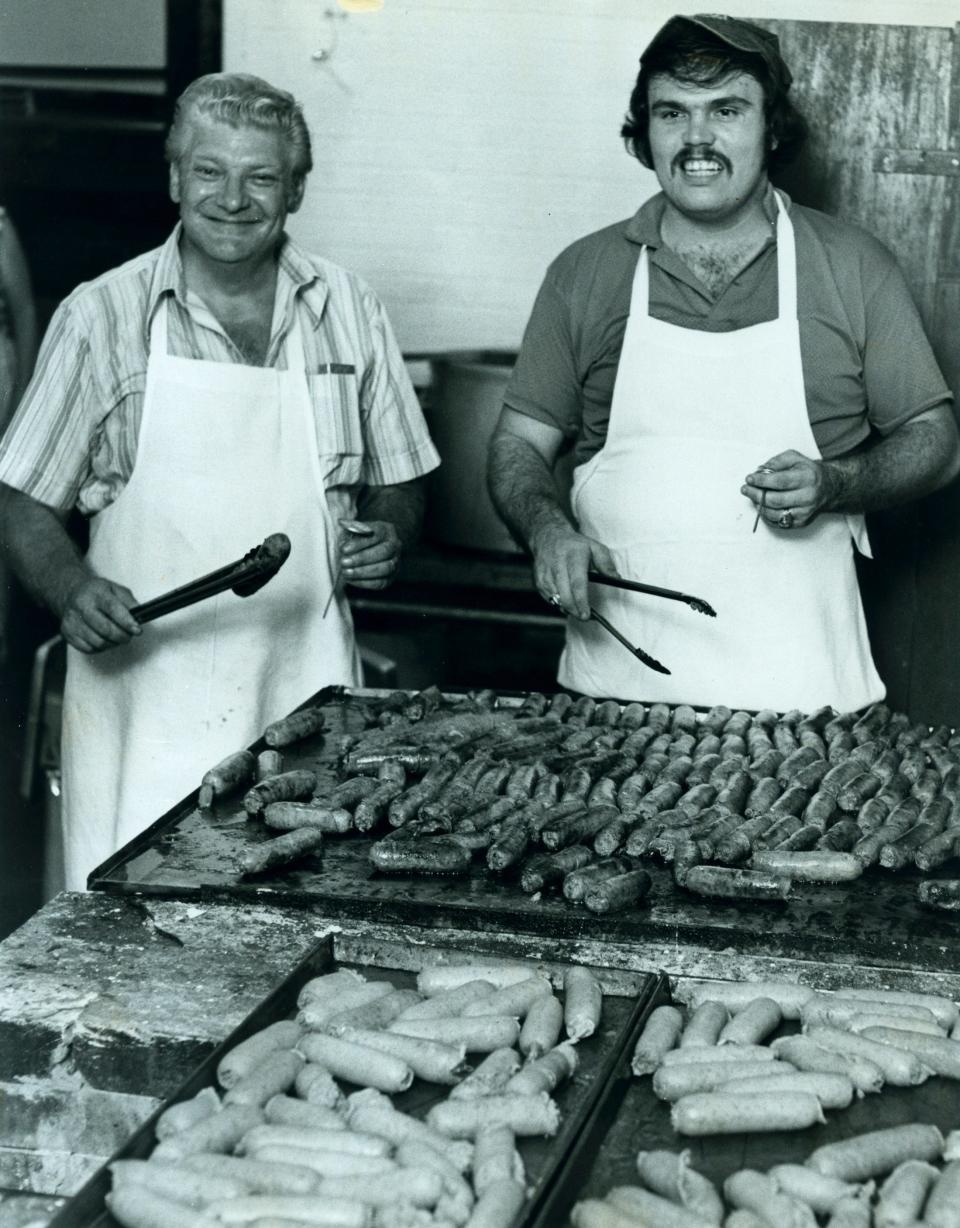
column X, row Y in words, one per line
column 73, row 440
column 867, row 363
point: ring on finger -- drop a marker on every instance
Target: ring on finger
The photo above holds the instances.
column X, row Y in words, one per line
column 785, row 520
column 554, row 598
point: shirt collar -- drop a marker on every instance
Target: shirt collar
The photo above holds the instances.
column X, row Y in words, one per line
column 304, row 277
column 295, row 267
column 644, row 226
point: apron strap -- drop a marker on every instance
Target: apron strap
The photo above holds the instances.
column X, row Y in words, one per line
column 293, row 344
column 786, row 263
column 640, row 294
column 158, row 328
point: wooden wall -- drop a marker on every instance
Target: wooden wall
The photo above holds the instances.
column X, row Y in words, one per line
column 875, row 95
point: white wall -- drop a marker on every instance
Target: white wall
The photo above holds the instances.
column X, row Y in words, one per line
column 460, row 144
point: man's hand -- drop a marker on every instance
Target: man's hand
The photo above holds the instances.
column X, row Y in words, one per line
column 97, row 616
column 369, row 552
column 793, row 483
column 561, row 559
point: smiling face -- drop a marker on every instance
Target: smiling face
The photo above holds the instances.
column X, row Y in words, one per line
column 235, row 189
column 709, row 145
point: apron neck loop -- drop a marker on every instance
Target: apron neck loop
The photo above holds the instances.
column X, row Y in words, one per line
column 786, row 270
column 158, row 328
column 786, row 262
column 296, row 356
column 293, row 343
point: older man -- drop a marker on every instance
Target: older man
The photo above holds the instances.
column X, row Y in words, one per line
column 221, row 388
column 722, row 354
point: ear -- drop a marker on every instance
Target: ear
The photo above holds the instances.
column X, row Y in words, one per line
column 174, row 182
column 295, row 193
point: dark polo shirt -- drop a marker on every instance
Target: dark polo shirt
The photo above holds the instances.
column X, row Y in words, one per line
column 867, row 363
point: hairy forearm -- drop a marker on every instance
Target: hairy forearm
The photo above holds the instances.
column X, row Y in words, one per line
column 39, row 549
column 917, row 459
column 400, row 505
column 523, row 489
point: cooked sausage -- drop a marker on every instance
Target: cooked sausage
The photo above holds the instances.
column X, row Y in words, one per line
column 431, row 855
column 294, row 727
column 736, row 884
column 620, row 891
column 281, row 850
column 287, row 787
column 229, row 774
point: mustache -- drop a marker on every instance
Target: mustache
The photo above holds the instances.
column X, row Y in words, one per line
column 699, row 151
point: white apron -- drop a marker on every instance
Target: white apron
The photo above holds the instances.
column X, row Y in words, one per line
column 692, row 414
column 227, row 455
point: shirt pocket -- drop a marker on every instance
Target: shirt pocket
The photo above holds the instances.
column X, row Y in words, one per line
column 335, row 397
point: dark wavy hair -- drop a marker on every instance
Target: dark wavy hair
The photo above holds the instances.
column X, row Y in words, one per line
column 696, row 58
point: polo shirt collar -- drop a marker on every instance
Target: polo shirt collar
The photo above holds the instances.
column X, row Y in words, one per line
column 644, row 228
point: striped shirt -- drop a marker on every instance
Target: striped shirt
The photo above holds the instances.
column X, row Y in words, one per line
column 73, row 440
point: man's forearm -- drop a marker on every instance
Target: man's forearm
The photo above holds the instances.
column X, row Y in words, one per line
column 39, row 549
column 523, row 489
column 400, row 505
column 920, row 457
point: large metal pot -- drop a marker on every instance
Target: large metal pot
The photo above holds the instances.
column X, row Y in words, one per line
column 462, row 406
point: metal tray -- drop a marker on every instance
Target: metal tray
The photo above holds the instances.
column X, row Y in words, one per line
column 191, row 854
column 544, row 1159
column 629, row 1119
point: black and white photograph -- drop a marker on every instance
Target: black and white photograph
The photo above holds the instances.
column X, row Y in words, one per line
column 479, row 614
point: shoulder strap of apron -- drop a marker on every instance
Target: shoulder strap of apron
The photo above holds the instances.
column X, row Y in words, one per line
column 296, row 355
column 786, row 263
column 158, row 328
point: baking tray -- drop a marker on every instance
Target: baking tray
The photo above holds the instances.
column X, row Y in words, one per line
column 189, row 854
column 544, row 1159
column 629, row 1118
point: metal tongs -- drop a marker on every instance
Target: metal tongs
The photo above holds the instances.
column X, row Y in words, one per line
column 645, row 657
column 245, row 577
column 695, row 603
column 634, row 586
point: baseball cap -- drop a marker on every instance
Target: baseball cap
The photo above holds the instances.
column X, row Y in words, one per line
column 733, row 31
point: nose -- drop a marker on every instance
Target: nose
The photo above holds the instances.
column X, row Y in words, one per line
column 699, row 130
column 232, row 197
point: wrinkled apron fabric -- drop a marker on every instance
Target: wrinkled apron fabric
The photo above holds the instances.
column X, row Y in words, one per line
column 692, row 414
column 227, row 455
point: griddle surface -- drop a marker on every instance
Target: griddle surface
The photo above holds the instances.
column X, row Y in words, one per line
column 193, row 854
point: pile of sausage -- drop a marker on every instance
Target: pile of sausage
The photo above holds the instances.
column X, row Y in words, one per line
column 836, row 1185
column 280, row 1142
column 573, row 793
column 716, row 1064
column 723, row 1075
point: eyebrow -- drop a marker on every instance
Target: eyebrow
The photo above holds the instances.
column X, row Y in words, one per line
column 256, row 168
column 726, row 101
